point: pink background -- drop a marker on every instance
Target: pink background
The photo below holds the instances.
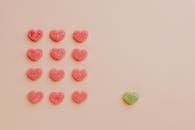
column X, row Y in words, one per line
column 147, row 46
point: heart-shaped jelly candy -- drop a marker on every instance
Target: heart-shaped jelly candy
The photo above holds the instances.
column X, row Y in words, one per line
column 35, row 96
column 80, row 36
column 35, row 35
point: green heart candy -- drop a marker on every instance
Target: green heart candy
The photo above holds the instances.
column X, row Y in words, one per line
column 130, row 97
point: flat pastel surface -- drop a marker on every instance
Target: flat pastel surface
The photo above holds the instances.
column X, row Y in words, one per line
column 146, row 46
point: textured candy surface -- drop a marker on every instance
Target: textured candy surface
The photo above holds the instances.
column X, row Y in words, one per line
column 35, row 35
column 35, row 96
column 80, row 36
column 34, row 73
column 56, row 75
column 79, row 55
column 57, row 53
column 79, row 96
column 56, row 97
column 130, row 97
column 79, row 75
column 34, row 54
column 57, row 35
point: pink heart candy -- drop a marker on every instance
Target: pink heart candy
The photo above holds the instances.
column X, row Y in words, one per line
column 34, row 73
column 35, row 35
column 79, row 75
column 79, row 97
column 34, row 54
column 79, row 55
column 56, row 97
column 35, row 96
column 56, row 75
column 80, row 36
column 57, row 53
column 57, row 35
